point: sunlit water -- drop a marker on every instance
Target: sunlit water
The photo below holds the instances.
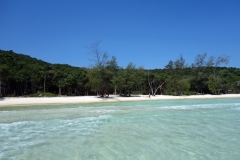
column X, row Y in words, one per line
column 176, row 129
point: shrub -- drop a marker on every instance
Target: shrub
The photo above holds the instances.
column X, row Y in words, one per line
column 42, row 94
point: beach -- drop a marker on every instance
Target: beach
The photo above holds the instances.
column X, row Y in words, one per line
column 27, row 101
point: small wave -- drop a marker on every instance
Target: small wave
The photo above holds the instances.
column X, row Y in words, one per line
column 85, row 119
column 24, row 133
column 1, row 154
column 102, row 111
column 200, row 106
column 236, row 108
column 54, row 124
column 17, row 124
column 4, row 111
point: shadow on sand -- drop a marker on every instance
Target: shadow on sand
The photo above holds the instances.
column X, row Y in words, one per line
column 130, row 96
column 105, row 97
column 113, row 97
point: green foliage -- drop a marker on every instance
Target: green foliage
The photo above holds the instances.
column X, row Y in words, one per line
column 212, row 85
column 182, row 85
column 42, row 94
column 21, row 75
column 137, row 92
column 187, row 93
column 25, row 75
column 131, row 76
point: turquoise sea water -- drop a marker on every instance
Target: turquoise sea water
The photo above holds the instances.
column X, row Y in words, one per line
column 166, row 129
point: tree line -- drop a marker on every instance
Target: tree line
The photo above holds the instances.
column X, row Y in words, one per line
column 21, row 75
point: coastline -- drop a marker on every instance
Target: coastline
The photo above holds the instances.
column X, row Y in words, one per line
column 29, row 101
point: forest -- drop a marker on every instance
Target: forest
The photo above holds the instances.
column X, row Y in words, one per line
column 22, row 75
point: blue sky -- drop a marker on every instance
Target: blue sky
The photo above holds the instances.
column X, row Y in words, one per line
column 147, row 33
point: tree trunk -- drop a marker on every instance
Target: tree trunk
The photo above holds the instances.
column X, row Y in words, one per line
column 26, row 88
column 59, row 89
column 44, row 84
column 0, row 88
column 150, row 84
column 115, row 90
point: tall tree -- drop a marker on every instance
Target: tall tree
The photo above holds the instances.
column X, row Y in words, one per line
column 46, row 71
column 157, row 81
column 98, row 75
column 216, row 62
column 114, row 72
column 175, row 71
column 131, row 76
column 199, row 76
column 3, row 74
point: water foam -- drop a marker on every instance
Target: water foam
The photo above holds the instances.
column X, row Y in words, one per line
column 103, row 111
column 26, row 134
column 199, row 106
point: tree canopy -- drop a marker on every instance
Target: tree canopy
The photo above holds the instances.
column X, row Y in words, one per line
column 22, row 75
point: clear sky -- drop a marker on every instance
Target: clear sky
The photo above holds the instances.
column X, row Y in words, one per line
column 148, row 33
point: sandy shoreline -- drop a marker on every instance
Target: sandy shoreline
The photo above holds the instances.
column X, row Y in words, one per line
column 19, row 101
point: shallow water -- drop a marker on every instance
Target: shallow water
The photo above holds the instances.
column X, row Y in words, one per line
column 166, row 129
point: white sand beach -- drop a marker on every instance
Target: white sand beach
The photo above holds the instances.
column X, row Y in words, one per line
column 22, row 101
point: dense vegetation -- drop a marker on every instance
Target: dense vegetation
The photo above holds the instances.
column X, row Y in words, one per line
column 21, row 75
